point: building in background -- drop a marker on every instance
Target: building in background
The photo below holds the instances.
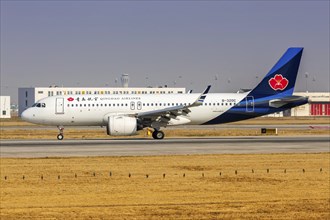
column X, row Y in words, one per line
column 28, row 96
column 124, row 80
column 319, row 105
column 5, row 107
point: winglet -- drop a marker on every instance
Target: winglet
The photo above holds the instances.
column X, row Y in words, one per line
column 201, row 98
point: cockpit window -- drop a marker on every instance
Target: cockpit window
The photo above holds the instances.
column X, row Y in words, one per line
column 39, row 105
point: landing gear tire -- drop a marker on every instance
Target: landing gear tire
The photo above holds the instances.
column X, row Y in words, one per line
column 60, row 137
column 158, row 134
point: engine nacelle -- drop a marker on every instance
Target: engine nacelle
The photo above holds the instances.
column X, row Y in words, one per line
column 121, row 125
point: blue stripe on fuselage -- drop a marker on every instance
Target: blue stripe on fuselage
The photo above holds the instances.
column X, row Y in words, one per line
column 261, row 107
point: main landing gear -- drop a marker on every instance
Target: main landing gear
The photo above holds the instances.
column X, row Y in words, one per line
column 60, row 136
column 158, row 134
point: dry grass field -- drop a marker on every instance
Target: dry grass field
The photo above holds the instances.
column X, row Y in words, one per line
column 296, row 186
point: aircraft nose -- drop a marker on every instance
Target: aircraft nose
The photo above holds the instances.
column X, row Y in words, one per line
column 26, row 115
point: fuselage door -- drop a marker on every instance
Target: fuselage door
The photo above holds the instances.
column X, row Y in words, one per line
column 249, row 103
column 139, row 105
column 132, row 105
column 59, row 106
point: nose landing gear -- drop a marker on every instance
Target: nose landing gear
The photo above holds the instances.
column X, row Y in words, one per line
column 60, row 136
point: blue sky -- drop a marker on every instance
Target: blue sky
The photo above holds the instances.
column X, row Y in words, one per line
column 185, row 43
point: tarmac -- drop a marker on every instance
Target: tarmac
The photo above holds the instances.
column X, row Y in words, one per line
column 168, row 146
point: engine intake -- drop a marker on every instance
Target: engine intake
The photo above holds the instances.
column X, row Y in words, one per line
column 121, row 125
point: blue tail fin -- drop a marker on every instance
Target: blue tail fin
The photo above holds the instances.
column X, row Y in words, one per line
column 281, row 79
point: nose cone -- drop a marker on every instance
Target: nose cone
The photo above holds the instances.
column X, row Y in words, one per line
column 27, row 115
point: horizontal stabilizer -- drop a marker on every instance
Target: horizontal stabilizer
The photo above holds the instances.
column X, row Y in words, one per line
column 277, row 103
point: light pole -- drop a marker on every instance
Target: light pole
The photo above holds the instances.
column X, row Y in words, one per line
column 147, row 80
column 314, row 80
column 216, row 77
column 228, row 81
column 257, row 78
column 306, row 77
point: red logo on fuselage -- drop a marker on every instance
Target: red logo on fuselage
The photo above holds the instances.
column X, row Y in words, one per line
column 70, row 99
column 278, row 82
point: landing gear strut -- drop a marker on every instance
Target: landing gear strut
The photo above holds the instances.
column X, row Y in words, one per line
column 60, row 136
column 158, row 134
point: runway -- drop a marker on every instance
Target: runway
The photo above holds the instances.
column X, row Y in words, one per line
column 170, row 146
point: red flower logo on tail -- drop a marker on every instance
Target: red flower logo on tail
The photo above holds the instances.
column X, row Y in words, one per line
column 70, row 99
column 278, row 82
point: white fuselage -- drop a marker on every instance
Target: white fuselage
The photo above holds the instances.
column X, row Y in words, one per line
column 92, row 110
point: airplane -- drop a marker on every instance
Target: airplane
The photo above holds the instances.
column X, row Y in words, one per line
column 126, row 114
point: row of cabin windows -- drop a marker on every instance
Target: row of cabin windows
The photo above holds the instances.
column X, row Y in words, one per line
column 144, row 104
column 222, row 104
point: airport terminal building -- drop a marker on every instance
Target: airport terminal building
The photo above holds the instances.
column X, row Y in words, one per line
column 28, row 96
column 5, row 107
column 319, row 105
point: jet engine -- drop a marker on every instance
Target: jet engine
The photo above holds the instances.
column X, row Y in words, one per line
column 121, row 125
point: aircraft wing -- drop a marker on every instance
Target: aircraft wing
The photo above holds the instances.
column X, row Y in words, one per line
column 161, row 117
column 277, row 103
column 175, row 111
